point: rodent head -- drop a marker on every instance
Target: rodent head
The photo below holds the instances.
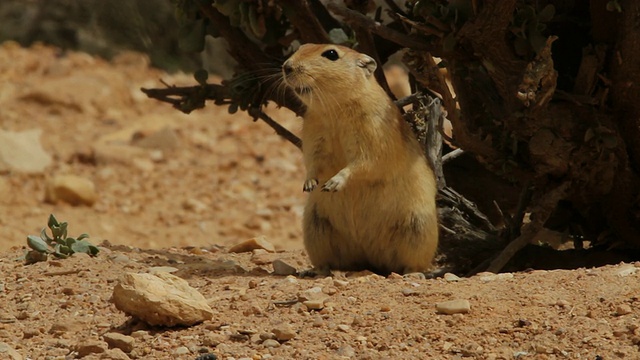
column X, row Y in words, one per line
column 328, row 73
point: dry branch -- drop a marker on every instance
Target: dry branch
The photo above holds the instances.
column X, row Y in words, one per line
column 357, row 20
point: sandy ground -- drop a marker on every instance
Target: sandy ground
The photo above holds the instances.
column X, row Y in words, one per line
column 177, row 190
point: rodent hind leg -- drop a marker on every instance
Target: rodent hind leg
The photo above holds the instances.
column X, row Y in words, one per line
column 327, row 248
column 415, row 241
column 338, row 181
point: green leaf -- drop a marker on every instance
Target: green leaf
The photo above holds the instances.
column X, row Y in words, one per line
column 53, row 222
column 82, row 236
column 81, row 247
column 94, row 250
column 69, row 241
column 59, row 231
column 44, row 236
column 37, row 244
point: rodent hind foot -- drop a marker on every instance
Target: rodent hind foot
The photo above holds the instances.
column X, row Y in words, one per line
column 313, row 272
column 310, row 185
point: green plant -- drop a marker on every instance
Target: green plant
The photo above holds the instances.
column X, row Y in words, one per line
column 58, row 244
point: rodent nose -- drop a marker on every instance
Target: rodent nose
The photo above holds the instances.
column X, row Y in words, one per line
column 287, row 68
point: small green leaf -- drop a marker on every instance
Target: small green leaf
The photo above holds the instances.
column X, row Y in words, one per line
column 82, row 236
column 94, row 250
column 62, row 250
column 44, row 236
column 69, row 241
column 37, row 244
column 81, row 247
column 53, row 222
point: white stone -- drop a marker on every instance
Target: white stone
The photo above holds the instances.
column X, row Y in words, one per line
column 22, row 152
column 161, row 299
column 71, row 189
column 458, row 306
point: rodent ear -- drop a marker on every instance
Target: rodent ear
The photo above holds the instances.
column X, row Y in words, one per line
column 367, row 63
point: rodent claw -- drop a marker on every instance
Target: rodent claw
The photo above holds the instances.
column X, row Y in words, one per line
column 309, row 185
column 333, row 185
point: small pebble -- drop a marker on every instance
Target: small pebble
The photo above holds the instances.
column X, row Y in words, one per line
column 270, row 343
column 316, row 304
column 346, row 351
column 451, row 277
column 409, row 292
column 182, row 350
column 623, row 309
column 282, row 268
column 458, row 306
column 344, row 327
column 284, row 333
column 415, row 276
column 259, row 242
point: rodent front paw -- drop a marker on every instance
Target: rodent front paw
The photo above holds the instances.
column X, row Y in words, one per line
column 309, row 185
column 336, row 183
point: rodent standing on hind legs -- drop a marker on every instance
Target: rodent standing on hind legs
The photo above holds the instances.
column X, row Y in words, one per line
column 371, row 192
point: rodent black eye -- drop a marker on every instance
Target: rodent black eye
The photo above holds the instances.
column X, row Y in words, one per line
column 331, row 55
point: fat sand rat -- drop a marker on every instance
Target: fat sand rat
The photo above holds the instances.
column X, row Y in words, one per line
column 371, row 191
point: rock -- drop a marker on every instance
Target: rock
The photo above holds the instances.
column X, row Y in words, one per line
column 195, row 205
column 282, row 268
column 270, row 343
column 626, row 270
column 623, row 309
column 346, row 351
column 182, row 350
column 22, row 152
column 71, row 189
column 163, row 139
column 107, row 154
column 262, row 257
column 88, row 347
column 311, row 294
column 344, row 327
column 340, row 283
column 166, row 269
column 316, row 304
column 161, row 299
column 119, row 341
column 409, row 292
column 9, row 353
column 259, row 242
column 451, row 277
column 487, row 277
column 458, row 306
column 114, row 354
column 284, row 333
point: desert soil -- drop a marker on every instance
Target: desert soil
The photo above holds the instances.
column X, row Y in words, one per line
column 176, row 191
